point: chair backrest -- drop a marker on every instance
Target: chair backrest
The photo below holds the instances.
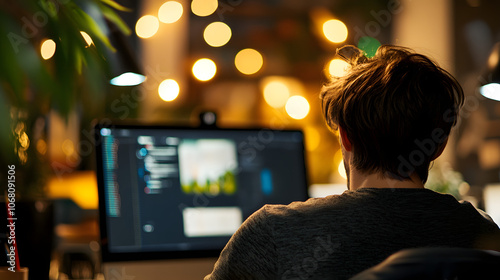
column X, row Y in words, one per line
column 436, row 263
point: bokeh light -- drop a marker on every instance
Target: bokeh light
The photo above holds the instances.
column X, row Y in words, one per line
column 24, row 140
column 491, row 91
column 297, row 107
column 204, row 69
column 41, row 146
column 335, row 30
column 313, row 138
column 128, row 79
column 248, row 61
column 147, row 26
column 68, row 147
column 276, row 93
column 170, row 12
column 203, row 8
column 87, row 38
column 338, row 67
column 369, row 45
column 168, row 90
column 48, row 49
column 217, row 34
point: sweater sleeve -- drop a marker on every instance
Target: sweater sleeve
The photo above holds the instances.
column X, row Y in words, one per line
column 250, row 253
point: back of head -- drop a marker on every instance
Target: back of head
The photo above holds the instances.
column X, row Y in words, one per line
column 397, row 109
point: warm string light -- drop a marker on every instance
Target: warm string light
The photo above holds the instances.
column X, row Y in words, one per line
column 148, row 25
column 48, row 49
column 276, row 93
column 248, row 61
column 203, row 8
column 217, row 34
column 280, row 91
column 170, row 12
column 204, row 69
column 168, row 90
column 335, row 30
column 297, row 107
column 48, row 46
column 338, row 67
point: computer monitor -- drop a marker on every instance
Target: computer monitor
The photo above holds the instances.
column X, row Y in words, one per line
column 181, row 192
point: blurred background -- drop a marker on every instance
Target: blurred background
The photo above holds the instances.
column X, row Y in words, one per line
column 254, row 63
column 262, row 63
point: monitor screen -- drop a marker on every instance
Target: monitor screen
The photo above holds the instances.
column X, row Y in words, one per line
column 172, row 192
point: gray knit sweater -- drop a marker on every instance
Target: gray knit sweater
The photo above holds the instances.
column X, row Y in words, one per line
column 338, row 236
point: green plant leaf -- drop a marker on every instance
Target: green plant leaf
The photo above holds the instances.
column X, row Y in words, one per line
column 116, row 6
column 114, row 18
column 78, row 60
column 36, row 76
column 11, row 75
column 49, row 7
column 89, row 25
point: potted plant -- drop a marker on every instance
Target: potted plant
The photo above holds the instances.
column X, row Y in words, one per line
column 53, row 53
column 31, row 85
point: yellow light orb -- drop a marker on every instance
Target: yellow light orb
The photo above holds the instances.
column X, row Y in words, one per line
column 338, row 67
column 170, row 12
column 297, row 107
column 48, row 49
column 276, row 94
column 217, row 34
column 168, row 90
column 147, row 26
column 204, row 69
column 203, row 8
column 248, row 61
column 335, row 31
column 87, row 38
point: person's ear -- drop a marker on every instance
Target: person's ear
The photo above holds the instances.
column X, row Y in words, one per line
column 345, row 141
column 440, row 150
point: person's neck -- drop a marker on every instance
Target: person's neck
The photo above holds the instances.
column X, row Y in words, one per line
column 358, row 180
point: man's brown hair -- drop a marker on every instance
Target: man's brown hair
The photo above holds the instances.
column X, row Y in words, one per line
column 396, row 108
